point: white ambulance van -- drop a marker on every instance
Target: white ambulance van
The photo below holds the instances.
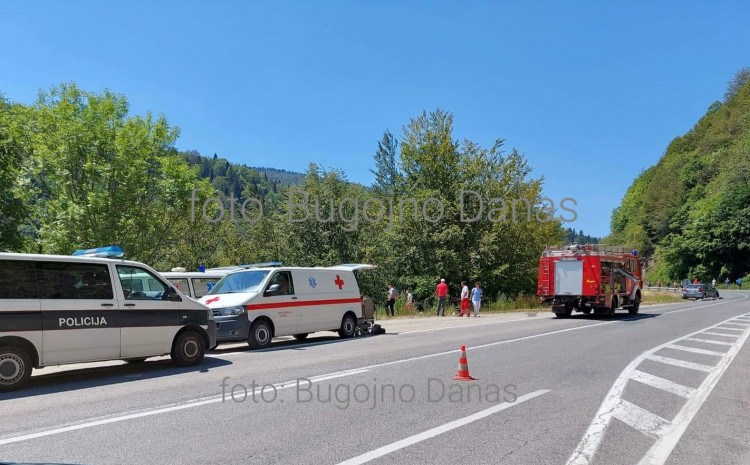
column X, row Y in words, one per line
column 57, row 310
column 194, row 284
column 258, row 304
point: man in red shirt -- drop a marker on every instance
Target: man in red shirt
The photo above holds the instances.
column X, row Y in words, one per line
column 442, row 293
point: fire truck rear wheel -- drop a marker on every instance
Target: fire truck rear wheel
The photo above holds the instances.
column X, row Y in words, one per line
column 613, row 307
column 586, row 310
column 566, row 314
column 633, row 310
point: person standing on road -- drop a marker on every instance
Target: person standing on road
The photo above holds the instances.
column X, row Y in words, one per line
column 391, row 302
column 464, row 300
column 739, row 283
column 409, row 300
column 713, row 282
column 442, row 294
column 726, row 281
column 476, row 298
column 695, row 281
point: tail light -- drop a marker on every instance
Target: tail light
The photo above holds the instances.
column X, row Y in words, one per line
column 700, row 289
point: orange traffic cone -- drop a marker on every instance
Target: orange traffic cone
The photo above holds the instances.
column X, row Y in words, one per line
column 463, row 367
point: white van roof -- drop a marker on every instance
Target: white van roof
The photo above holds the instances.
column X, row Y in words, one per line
column 352, row 267
column 65, row 258
column 195, row 274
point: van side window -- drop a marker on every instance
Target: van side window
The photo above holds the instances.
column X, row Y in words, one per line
column 62, row 280
column 139, row 284
column 18, row 280
column 181, row 284
column 284, row 280
column 203, row 286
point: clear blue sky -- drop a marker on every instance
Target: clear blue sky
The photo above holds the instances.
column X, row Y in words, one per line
column 590, row 92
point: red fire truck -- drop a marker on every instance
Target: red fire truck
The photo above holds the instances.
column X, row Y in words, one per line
column 586, row 278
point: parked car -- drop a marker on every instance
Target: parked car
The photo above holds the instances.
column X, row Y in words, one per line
column 699, row 291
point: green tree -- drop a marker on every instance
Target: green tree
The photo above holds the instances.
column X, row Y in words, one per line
column 104, row 176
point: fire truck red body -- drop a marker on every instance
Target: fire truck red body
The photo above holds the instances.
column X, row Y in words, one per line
column 598, row 278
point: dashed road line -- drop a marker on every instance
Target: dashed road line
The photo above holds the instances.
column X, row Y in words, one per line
column 431, row 433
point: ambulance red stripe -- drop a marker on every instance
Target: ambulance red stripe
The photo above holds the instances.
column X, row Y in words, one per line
column 302, row 303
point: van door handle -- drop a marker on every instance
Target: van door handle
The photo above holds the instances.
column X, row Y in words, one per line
column 294, row 297
column 108, row 305
column 130, row 305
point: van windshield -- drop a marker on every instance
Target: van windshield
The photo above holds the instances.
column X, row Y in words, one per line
column 243, row 281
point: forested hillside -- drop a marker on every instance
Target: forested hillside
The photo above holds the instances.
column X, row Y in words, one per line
column 78, row 171
column 691, row 211
column 240, row 180
column 579, row 237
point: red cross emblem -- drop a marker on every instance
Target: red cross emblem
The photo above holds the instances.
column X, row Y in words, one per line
column 212, row 300
column 339, row 282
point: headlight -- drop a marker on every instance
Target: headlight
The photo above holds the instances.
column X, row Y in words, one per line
column 229, row 311
column 210, row 315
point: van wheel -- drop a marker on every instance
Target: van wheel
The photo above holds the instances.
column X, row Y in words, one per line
column 348, row 327
column 260, row 335
column 301, row 336
column 189, row 349
column 15, row 368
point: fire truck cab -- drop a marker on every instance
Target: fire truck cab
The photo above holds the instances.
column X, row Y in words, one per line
column 586, row 278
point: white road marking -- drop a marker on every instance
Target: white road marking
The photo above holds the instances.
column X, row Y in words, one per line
column 679, row 363
column 724, row 328
column 431, row 433
column 161, row 410
column 469, row 325
column 662, row 384
column 641, row 419
column 214, row 399
column 708, row 341
column 743, row 325
column 714, row 333
column 696, row 351
column 666, row 433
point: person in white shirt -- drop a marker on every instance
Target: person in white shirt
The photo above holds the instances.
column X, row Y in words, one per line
column 392, row 296
column 464, row 300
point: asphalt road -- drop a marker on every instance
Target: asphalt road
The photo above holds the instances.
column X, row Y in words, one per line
column 627, row 390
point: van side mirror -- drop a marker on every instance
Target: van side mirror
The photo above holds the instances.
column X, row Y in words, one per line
column 272, row 289
column 172, row 295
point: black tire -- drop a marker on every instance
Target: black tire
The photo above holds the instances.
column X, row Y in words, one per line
column 136, row 361
column 633, row 310
column 612, row 307
column 260, row 335
column 565, row 314
column 188, row 349
column 348, row 326
column 301, row 336
column 586, row 310
column 15, row 368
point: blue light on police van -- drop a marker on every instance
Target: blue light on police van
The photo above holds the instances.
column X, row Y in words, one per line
column 110, row 251
column 201, row 268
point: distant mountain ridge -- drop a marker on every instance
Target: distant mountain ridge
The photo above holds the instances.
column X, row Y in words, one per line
column 240, row 180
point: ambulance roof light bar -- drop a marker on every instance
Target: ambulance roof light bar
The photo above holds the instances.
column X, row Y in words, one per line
column 252, row 265
column 110, row 251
